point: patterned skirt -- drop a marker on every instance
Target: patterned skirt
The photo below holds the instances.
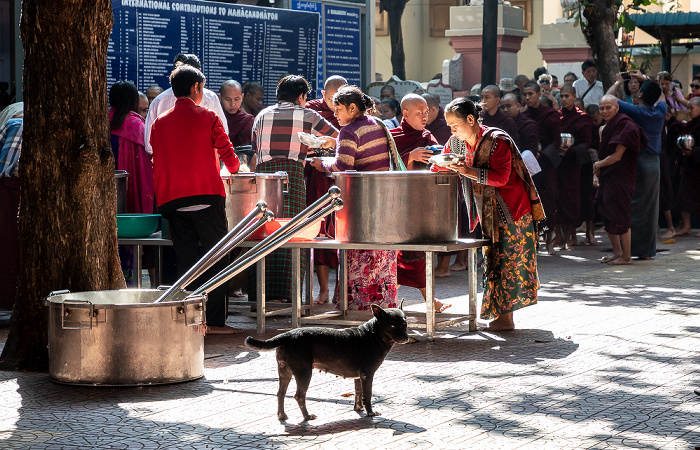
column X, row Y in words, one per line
column 278, row 264
column 515, row 284
column 371, row 279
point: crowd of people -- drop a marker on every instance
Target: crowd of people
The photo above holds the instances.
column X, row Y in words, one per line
column 539, row 160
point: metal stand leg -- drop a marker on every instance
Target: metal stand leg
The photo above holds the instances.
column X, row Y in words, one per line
column 159, row 268
column 296, row 286
column 471, row 267
column 260, row 277
column 430, row 295
column 137, row 265
column 343, row 280
column 310, row 283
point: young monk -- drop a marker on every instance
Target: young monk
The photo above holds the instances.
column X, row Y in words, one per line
column 620, row 143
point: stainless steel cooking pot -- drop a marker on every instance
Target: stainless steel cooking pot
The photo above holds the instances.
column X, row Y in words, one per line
column 120, row 179
column 122, row 338
column 245, row 190
column 397, row 207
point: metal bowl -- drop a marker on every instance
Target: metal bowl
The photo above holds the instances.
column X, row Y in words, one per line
column 445, row 159
column 567, row 140
column 686, row 141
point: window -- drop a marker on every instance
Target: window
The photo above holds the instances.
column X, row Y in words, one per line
column 440, row 16
column 381, row 22
column 526, row 5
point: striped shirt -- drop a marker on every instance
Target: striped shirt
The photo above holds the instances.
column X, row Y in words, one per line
column 10, row 147
column 362, row 146
column 276, row 131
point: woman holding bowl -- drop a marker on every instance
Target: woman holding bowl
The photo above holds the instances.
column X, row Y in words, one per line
column 500, row 195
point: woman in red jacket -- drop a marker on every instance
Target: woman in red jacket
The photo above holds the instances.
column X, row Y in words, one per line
column 501, row 196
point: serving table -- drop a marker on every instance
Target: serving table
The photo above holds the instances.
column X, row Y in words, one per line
column 343, row 316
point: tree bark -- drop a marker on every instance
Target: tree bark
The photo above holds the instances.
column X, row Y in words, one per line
column 67, row 219
column 395, row 9
column 600, row 35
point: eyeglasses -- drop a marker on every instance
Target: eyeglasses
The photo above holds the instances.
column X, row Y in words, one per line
column 695, row 86
column 543, row 81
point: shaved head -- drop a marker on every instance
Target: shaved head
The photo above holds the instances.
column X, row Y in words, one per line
column 333, row 83
column 609, row 107
column 694, row 101
column 415, row 111
column 493, row 89
column 511, row 97
column 568, row 88
column 431, row 101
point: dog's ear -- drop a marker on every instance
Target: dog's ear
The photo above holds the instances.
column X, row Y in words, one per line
column 401, row 304
column 378, row 312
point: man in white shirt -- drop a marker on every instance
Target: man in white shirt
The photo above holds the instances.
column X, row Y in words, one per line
column 166, row 100
column 588, row 88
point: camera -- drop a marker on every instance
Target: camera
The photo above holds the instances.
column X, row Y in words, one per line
column 625, row 75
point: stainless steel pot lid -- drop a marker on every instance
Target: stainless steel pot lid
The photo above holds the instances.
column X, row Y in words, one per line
column 253, row 175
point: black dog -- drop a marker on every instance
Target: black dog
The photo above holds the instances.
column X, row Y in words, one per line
column 350, row 353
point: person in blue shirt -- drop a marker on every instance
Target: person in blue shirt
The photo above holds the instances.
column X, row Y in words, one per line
column 650, row 115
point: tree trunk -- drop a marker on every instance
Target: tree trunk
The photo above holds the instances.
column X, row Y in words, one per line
column 600, row 34
column 394, row 9
column 67, row 223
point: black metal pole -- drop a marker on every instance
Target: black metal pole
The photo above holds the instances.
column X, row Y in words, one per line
column 488, row 43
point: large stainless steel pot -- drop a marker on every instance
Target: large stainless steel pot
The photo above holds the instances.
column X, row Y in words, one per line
column 397, row 207
column 123, row 338
column 120, row 179
column 245, row 190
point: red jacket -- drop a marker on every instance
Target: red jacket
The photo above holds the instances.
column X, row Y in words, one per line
column 185, row 141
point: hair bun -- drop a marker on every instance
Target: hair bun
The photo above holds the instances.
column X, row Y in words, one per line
column 478, row 107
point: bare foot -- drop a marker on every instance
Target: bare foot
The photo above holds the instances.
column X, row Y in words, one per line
column 223, row 330
column 668, row 234
column 238, row 294
column 322, row 298
column 683, row 231
column 607, row 259
column 573, row 242
column 557, row 242
column 499, row 325
column 442, row 273
column 458, row 267
column 620, row 262
column 550, row 249
column 590, row 239
column 440, row 307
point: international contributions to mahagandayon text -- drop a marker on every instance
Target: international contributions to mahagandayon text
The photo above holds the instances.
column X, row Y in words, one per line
column 228, row 11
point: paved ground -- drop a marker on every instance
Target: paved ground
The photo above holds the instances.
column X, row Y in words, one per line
column 609, row 358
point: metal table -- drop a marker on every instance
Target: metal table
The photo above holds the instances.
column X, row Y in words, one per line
column 433, row 319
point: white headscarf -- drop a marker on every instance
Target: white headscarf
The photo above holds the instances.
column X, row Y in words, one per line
column 12, row 111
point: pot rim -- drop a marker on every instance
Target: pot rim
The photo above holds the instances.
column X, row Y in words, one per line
column 51, row 299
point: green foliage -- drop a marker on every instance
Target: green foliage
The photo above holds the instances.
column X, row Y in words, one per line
column 623, row 21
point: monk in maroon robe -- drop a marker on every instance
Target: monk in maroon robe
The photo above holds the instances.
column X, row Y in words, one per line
column 688, row 198
column 240, row 123
column 493, row 116
column 411, row 138
column 616, row 174
column 548, row 156
column 317, row 184
column 528, row 129
column 437, row 125
column 578, row 124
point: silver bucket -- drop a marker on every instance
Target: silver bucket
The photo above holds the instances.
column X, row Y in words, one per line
column 397, row 207
column 245, row 190
column 123, row 338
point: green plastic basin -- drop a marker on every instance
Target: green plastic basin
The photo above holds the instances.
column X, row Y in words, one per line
column 137, row 225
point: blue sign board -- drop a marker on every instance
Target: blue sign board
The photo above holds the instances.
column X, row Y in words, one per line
column 243, row 43
column 339, row 41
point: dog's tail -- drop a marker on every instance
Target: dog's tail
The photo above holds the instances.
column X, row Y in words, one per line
column 268, row 344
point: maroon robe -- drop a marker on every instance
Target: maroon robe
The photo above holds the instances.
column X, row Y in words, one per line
column 320, row 106
column 587, row 190
column 439, row 128
column 578, row 124
column 408, row 139
column 549, row 140
column 617, row 181
column 528, row 132
column 318, row 183
column 411, row 265
column 240, row 127
column 688, row 198
column 501, row 119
